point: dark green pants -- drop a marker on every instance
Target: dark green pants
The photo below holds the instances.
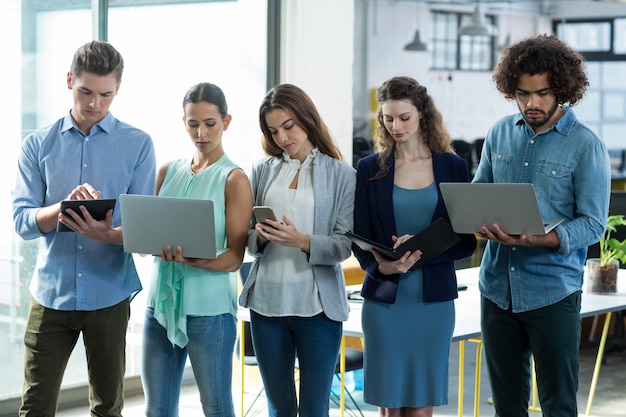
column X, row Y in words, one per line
column 552, row 335
column 49, row 340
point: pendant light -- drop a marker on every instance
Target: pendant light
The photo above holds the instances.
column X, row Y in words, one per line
column 416, row 44
column 478, row 26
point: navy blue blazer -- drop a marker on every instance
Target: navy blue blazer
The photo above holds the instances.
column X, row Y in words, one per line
column 374, row 219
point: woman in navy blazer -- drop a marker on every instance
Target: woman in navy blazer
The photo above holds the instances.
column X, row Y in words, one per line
column 408, row 316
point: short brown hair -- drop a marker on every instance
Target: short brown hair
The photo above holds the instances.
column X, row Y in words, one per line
column 99, row 58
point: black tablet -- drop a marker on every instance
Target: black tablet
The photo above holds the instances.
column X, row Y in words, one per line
column 97, row 208
column 432, row 241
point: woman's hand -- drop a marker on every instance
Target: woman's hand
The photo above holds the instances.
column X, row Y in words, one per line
column 284, row 233
column 170, row 255
column 401, row 265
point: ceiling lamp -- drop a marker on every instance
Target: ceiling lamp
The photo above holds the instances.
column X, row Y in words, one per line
column 478, row 26
column 416, row 44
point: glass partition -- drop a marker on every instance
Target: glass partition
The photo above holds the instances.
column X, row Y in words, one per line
column 167, row 46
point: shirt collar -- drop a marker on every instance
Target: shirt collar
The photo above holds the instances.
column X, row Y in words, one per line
column 563, row 125
column 106, row 124
column 295, row 163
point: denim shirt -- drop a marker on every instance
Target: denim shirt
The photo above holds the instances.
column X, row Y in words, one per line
column 74, row 272
column 569, row 167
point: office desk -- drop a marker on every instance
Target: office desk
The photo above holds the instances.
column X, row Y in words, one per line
column 467, row 327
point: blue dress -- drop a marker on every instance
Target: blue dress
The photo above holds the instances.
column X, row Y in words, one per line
column 407, row 344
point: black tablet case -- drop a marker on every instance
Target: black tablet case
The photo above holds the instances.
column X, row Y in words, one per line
column 432, row 241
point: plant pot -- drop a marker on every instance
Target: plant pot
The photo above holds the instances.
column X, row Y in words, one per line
column 601, row 279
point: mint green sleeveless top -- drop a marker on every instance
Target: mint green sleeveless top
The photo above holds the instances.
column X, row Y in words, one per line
column 177, row 290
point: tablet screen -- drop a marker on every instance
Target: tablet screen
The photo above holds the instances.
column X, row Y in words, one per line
column 97, row 208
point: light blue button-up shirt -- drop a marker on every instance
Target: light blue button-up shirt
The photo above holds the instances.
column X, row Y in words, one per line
column 72, row 271
column 569, row 167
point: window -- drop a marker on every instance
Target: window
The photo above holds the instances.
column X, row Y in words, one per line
column 602, row 42
column 603, row 108
column 597, row 40
column 586, row 36
column 453, row 52
column 203, row 42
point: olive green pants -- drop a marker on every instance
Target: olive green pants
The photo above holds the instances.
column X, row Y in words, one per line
column 50, row 338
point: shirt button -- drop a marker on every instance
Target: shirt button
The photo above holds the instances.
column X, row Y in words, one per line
column 86, row 139
column 513, row 248
column 554, row 173
column 525, row 164
column 84, row 165
column 80, row 247
column 80, row 274
column 512, row 268
column 532, row 141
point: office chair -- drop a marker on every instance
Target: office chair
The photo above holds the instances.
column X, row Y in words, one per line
column 245, row 353
column 361, row 147
column 478, row 149
column 354, row 362
column 618, row 160
column 465, row 151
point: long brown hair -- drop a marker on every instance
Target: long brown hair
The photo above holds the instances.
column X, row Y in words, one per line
column 433, row 131
column 298, row 104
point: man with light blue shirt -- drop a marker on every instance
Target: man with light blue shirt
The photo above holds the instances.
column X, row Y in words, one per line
column 83, row 280
column 531, row 284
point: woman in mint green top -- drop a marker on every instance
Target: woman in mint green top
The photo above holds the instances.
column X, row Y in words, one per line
column 192, row 303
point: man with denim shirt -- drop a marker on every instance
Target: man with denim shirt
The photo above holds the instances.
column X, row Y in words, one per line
column 83, row 280
column 531, row 284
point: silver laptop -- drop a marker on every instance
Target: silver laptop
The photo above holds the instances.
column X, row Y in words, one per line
column 149, row 223
column 512, row 206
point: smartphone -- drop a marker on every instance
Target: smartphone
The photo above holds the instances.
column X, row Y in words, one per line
column 262, row 213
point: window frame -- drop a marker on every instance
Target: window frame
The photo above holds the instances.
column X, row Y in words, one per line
column 447, row 42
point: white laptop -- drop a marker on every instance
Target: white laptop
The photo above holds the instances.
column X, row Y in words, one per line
column 149, row 223
column 513, row 206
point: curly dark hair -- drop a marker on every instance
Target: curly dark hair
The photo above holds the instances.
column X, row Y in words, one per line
column 432, row 128
column 540, row 55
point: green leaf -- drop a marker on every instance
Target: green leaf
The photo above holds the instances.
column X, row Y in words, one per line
column 612, row 249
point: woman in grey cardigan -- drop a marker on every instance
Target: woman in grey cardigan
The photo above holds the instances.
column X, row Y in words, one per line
column 296, row 288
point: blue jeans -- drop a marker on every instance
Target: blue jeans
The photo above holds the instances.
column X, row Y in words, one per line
column 210, row 350
column 316, row 340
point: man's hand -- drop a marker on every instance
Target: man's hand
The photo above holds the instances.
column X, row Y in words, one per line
column 88, row 226
column 550, row 240
column 99, row 230
column 84, row 192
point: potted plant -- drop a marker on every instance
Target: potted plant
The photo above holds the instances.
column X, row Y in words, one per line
column 602, row 272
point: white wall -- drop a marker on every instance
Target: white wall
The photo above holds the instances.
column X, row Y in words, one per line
column 468, row 100
column 317, row 55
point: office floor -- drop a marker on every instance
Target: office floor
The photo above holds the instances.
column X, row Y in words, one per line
column 610, row 398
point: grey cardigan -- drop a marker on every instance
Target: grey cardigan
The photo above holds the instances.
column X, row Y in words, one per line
column 334, row 184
